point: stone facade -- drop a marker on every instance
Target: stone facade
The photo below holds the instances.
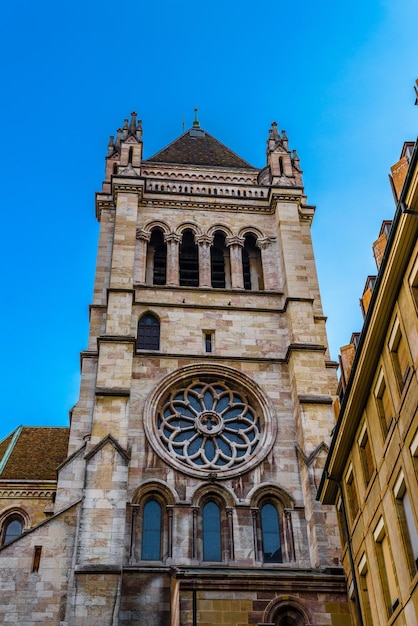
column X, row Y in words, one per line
column 188, row 494
column 371, row 471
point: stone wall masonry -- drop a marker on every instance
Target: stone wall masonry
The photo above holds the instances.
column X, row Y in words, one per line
column 102, row 523
column 115, row 365
column 31, row 597
column 96, row 599
column 237, row 333
column 104, row 256
column 119, row 313
column 82, row 412
column 124, row 241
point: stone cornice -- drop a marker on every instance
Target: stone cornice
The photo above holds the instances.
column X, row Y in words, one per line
column 112, row 391
column 27, row 489
column 103, row 202
column 216, row 202
column 303, row 347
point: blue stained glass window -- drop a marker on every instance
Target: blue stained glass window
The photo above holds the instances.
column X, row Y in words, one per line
column 270, row 529
column 151, row 531
column 212, row 550
column 13, row 529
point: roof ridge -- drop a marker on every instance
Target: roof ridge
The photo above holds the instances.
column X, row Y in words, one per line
column 10, row 447
column 198, row 147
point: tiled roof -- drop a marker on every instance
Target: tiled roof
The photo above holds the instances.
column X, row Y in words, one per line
column 33, row 453
column 197, row 147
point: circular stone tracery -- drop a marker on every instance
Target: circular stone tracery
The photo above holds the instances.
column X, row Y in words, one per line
column 209, row 425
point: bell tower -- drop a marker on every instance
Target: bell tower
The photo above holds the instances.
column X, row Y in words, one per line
column 205, row 408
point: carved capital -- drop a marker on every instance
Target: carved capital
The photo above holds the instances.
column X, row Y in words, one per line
column 143, row 234
column 264, row 243
column 172, row 238
column 234, row 241
column 204, row 240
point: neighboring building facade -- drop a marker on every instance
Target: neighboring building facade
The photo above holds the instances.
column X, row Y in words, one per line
column 371, row 472
column 198, row 441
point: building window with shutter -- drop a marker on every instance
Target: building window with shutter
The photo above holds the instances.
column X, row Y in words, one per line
column 386, row 569
column 366, row 456
column 399, row 353
column 351, row 491
column 406, row 519
column 383, row 404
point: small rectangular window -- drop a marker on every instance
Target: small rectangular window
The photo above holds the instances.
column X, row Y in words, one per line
column 208, row 340
column 36, row 558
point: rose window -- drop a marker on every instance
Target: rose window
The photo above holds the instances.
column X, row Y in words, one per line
column 208, row 425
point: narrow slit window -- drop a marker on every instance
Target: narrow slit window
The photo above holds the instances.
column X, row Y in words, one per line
column 36, row 558
column 208, row 341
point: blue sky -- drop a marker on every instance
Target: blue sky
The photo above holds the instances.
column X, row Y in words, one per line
column 337, row 76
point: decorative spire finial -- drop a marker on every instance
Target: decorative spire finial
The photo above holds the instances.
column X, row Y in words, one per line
column 196, row 123
column 132, row 125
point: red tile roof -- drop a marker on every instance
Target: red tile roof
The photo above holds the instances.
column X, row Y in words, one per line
column 33, row 453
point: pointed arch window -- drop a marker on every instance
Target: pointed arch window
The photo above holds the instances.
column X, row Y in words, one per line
column 270, row 532
column 212, row 543
column 151, row 531
column 148, row 337
column 189, row 260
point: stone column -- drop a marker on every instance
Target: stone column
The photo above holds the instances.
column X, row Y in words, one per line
column 267, row 263
column 170, row 531
column 194, row 533
column 204, row 242
column 254, row 515
column 172, row 240
column 288, row 535
column 134, row 529
column 231, row 534
column 235, row 245
column 143, row 238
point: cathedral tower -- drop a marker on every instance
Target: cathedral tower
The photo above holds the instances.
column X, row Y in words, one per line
column 198, row 441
